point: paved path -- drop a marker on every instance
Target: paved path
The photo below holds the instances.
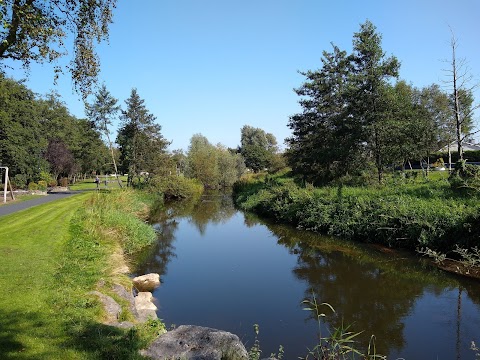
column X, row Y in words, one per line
column 9, row 209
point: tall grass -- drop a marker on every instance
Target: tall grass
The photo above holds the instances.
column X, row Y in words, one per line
column 402, row 215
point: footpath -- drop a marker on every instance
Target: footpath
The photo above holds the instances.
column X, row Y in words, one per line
column 11, row 208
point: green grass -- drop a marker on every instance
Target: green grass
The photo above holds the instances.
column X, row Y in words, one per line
column 89, row 184
column 52, row 256
column 404, row 213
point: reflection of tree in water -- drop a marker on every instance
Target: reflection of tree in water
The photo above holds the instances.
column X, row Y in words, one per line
column 371, row 298
column 214, row 207
column 156, row 258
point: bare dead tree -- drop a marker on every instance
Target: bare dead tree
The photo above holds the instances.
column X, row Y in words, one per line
column 460, row 84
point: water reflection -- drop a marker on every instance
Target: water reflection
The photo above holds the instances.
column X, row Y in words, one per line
column 228, row 271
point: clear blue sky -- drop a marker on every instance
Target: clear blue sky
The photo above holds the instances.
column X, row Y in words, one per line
column 213, row 66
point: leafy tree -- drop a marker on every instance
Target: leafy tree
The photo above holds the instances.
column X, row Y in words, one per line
column 202, row 161
column 257, row 147
column 227, row 167
column 35, row 30
column 101, row 112
column 60, row 159
column 142, row 146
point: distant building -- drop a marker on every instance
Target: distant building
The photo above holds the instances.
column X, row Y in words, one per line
column 466, row 147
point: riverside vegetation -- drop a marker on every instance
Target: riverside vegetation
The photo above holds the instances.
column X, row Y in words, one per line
column 411, row 215
column 80, row 244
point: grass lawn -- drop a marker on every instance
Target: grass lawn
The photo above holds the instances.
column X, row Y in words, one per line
column 30, row 245
column 89, row 184
column 52, row 256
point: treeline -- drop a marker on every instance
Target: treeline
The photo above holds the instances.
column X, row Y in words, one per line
column 41, row 140
column 358, row 119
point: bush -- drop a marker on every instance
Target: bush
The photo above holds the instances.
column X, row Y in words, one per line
column 19, row 181
column 63, row 181
column 408, row 216
column 42, row 185
column 32, row 186
column 176, row 187
column 465, row 176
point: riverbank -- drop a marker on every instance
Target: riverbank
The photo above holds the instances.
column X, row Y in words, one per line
column 403, row 215
column 53, row 255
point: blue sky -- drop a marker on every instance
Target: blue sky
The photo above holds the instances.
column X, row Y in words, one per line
column 213, row 66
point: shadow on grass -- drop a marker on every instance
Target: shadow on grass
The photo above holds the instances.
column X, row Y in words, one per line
column 99, row 341
column 27, row 336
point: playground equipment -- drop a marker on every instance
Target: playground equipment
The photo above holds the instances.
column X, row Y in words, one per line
column 7, row 182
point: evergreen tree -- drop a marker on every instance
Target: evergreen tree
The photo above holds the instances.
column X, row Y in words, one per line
column 142, row 146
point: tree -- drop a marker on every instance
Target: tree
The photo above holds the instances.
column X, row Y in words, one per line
column 202, row 161
column 371, row 73
column 326, row 141
column 142, row 146
column 35, row 30
column 101, row 112
column 257, row 147
column 60, row 158
column 461, row 96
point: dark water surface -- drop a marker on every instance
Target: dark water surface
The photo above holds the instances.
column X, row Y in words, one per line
column 225, row 269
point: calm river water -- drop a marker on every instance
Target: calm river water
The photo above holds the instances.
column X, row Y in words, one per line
column 225, row 269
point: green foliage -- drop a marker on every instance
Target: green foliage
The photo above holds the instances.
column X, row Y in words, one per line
column 36, row 31
column 465, row 176
column 121, row 212
column 176, row 187
column 32, row 186
column 258, row 148
column 407, row 216
column 29, row 123
column 341, row 342
column 42, row 185
column 142, row 146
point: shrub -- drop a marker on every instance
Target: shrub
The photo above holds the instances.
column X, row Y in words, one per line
column 176, row 187
column 19, row 181
column 32, row 186
column 465, row 176
column 42, row 185
column 63, row 181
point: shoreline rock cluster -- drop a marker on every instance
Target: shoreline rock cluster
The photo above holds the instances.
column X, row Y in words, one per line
column 185, row 341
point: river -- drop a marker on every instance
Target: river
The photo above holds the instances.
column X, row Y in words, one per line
column 222, row 268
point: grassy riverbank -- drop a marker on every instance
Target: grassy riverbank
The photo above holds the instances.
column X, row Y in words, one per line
column 52, row 256
column 402, row 215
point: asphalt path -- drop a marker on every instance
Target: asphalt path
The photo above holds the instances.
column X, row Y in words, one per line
column 12, row 208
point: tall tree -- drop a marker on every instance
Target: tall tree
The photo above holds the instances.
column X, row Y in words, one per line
column 202, row 161
column 326, row 142
column 142, row 146
column 257, row 147
column 370, row 77
column 461, row 95
column 35, row 30
column 101, row 112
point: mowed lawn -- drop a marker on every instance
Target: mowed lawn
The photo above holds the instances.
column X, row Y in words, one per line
column 31, row 243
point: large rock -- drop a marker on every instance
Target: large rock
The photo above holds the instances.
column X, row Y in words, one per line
column 144, row 307
column 147, row 282
column 197, row 343
column 112, row 309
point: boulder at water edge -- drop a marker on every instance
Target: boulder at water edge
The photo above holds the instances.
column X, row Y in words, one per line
column 195, row 343
column 147, row 282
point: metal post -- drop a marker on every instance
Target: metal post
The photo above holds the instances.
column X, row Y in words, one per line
column 5, row 186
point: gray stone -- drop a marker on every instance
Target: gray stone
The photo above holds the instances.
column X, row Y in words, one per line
column 111, row 306
column 147, row 282
column 197, row 343
column 144, row 307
